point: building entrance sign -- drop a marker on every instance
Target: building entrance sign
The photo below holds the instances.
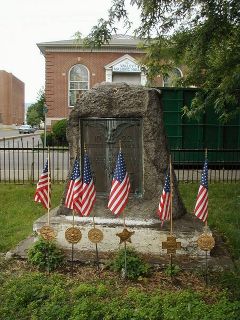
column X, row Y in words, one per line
column 101, row 138
column 126, row 66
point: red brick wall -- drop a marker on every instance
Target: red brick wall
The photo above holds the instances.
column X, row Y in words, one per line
column 58, row 65
column 11, row 99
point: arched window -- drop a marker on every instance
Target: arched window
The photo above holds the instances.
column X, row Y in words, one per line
column 78, row 82
column 171, row 79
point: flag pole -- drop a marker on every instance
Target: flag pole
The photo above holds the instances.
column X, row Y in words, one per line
column 171, row 196
column 96, row 245
column 206, row 252
column 124, row 226
column 48, row 195
column 48, row 192
column 72, row 256
column 171, row 207
column 206, row 155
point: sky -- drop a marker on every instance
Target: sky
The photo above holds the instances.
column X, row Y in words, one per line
column 23, row 23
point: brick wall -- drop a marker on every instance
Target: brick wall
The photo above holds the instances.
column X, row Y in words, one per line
column 11, row 99
column 58, row 65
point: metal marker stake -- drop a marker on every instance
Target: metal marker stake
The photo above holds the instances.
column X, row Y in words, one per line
column 72, row 255
column 96, row 246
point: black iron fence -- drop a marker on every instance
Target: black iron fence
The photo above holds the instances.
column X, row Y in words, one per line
column 22, row 161
column 223, row 164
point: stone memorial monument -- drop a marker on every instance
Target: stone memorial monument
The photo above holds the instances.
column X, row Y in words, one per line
column 102, row 117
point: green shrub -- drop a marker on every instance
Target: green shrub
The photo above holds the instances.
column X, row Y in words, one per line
column 136, row 267
column 50, row 140
column 172, row 270
column 45, row 255
column 59, row 131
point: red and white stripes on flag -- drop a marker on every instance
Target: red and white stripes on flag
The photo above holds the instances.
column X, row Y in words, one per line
column 88, row 194
column 43, row 191
column 120, row 187
column 73, row 197
column 201, row 208
column 165, row 201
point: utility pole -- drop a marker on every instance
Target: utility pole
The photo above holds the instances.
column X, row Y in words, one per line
column 45, row 110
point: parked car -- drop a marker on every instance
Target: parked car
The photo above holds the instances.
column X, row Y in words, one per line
column 26, row 128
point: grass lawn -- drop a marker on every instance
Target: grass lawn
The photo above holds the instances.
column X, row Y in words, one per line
column 18, row 210
column 27, row 294
column 224, row 209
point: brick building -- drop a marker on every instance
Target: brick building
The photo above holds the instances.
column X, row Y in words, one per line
column 11, row 99
column 71, row 68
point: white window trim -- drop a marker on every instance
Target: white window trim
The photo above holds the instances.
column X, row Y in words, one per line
column 109, row 71
column 76, row 81
column 173, row 68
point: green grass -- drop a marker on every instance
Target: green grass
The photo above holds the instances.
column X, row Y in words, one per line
column 224, row 210
column 18, row 211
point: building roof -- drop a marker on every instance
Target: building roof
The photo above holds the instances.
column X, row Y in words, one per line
column 117, row 42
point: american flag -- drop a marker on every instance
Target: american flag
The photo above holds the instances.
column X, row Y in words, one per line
column 73, row 197
column 43, row 191
column 88, row 188
column 165, row 200
column 120, row 187
column 201, row 208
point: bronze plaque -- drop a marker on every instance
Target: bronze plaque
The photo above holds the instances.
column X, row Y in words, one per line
column 206, row 242
column 47, row 233
column 101, row 137
column 95, row 235
column 73, row 235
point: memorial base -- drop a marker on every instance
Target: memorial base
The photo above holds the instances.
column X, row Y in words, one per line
column 147, row 238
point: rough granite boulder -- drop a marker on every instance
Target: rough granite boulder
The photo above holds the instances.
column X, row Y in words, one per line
column 122, row 100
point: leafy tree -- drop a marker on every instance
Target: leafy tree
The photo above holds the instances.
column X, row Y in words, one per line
column 35, row 112
column 203, row 35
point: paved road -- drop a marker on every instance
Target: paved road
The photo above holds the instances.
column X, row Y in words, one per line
column 18, row 165
column 19, row 140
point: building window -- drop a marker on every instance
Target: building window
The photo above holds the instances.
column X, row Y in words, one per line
column 78, row 83
column 171, row 80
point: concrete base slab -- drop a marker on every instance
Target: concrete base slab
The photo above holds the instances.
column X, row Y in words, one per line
column 147, row 238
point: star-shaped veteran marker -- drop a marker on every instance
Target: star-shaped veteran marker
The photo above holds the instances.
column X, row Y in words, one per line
column 125, row 235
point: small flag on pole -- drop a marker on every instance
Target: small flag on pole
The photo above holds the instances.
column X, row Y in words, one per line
column 73, row 197
column 201, row 208
column 88, row 188
column 43, row 191
column 120, row 187
column 165, row 201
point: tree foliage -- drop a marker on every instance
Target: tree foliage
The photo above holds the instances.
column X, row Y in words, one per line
column 203, row 35
column 35, row 113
